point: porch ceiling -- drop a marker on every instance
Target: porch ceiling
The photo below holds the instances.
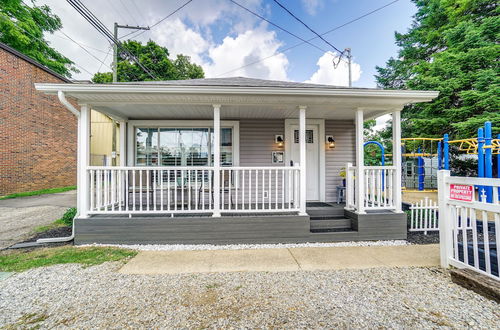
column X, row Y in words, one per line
column 189, row 102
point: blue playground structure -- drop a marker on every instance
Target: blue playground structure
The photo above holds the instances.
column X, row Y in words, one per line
column 484, row 146
column 423, row 157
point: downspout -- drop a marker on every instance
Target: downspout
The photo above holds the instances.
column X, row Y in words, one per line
column 70, row 107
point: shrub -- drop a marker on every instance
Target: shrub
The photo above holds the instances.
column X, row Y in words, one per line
column 67, row 218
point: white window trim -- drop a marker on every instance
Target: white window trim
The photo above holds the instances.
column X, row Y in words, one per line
column 133, row 124
column 321, row 147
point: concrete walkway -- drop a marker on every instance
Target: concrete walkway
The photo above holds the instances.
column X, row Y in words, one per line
column 19, row 216
column 276, row 260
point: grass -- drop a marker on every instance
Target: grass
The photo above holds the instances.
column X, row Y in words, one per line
column 87, row 256
column 39, row 192
column 66, row 220
column 56, row 224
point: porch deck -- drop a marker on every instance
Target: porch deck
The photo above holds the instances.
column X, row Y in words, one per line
column 325, row 222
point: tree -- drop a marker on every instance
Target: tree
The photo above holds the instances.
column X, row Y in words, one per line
column 22, row 27
column 452, row 47
column 155, row 59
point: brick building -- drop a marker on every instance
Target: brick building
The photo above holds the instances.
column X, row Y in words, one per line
column 38, row 138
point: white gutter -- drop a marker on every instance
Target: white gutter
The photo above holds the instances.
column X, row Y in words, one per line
column 418, row 96
column 65, row 102
column 70, row 107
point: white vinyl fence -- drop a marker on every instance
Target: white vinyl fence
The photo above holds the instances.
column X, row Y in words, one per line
column 424, row 216
column 469, row 226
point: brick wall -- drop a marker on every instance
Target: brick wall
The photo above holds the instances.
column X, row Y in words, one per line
column 37, row 134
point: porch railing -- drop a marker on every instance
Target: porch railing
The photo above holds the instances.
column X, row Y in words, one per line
column 191, row 189
column 378, row 187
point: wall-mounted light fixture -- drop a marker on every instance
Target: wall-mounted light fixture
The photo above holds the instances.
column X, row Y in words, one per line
column 278, row 139
column 330, row 141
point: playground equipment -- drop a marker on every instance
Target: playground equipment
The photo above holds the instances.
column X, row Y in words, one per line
column 420, row 163
column 382, row 150
column 423, row 157
column 484, row 146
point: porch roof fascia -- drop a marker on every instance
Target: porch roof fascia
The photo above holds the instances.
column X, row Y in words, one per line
column 413, row 96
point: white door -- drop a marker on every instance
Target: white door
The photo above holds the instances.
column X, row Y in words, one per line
column 312, row 156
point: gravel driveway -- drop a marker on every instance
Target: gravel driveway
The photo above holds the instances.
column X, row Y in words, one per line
column 19, row 216
column 99, row 297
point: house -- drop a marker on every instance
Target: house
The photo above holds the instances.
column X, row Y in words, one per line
column 38, row 134
column 236, row 160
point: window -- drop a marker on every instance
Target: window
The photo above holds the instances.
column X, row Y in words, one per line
column 181, row 146
column 147, row 147
column 309, row 136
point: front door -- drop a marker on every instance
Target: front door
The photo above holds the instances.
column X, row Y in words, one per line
column 312, row 158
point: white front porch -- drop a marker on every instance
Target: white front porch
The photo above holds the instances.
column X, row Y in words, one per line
column 129, row 189
column 215, row 188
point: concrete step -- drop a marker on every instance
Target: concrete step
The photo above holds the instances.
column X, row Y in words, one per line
column 330, row 223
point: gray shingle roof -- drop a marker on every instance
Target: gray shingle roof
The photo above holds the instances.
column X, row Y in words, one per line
column 233, row 82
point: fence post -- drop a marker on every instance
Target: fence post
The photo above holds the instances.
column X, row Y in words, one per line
column 349, row 186
column 445, row 243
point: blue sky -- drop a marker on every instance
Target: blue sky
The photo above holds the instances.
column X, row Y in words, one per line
column 222, row 37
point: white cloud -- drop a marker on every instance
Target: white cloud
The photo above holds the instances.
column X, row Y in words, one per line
column 381, row 122
column 180, row 39
column 339, row 76
column 311, row 6
column 245, row 49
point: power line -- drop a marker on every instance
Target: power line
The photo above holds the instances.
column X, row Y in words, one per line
column 81, row 43
column 307, row 26
column 85, row 50
column 301, row 43
column 128, row 12
column 101, row 28
column 105, row 58
column 160, row 21
column 279, row 27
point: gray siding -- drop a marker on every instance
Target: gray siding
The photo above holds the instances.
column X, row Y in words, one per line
column 257, row 143
column 343, row 132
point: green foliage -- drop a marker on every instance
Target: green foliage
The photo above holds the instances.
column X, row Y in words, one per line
column 21, row 261
column 65, row 221
column 22, row 28
column 154, row 58
column 452, row 47
column 39, row 192
column 68, row 216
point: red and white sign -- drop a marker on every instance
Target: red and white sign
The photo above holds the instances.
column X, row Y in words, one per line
column 461, row 192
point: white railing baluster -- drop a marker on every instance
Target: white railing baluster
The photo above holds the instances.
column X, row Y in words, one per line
column 189, row 188
column 143, row 190
column 486, row 240
column 92, row 190
column 169, row 197
column 133, row 189
column 176, row 186
column 269, row 189
column 243, row 172
column 161, row 191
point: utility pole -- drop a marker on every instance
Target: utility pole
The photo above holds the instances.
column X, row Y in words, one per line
column 115, row 46
column 349, row 56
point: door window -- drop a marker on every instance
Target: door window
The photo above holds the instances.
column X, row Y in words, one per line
column 309, row 136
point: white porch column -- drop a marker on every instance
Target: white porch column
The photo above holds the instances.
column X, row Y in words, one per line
column 216, row 165
column 360, row 163
column 123, row 143
column 396, row 158
column 83, row 161
column 302, row 143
